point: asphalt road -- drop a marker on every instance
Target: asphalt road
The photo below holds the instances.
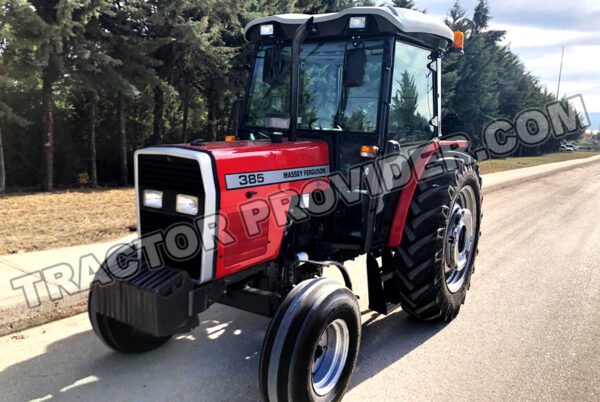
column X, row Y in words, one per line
column 530, row 328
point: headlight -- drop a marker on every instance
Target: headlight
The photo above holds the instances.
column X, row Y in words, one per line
column 153, row 198
column 358, row 22
column 186, row 204
column 266, row 30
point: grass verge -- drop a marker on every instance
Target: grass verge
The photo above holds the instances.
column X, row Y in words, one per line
column 500, row 165
column 38, row 221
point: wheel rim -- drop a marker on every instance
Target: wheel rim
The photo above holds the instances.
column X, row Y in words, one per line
column 329, row 357
column 459, row 240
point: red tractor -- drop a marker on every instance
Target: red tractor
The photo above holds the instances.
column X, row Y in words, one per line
column 338, row 152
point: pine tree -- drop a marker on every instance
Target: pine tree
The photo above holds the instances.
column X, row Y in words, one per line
column 177, row 39
column 93, row 71
column 404, row 3
column 126, row 71
column 481, row 16
column 473, row 76
column 41, row 32
column 404, row 101
column 219, row 72
column 9, row 79
column 129, row 43
column 456, row 18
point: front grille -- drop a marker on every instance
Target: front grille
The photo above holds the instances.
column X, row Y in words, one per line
column 171, row 175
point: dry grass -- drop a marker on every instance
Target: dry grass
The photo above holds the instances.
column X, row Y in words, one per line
column 499, row 165
column 39, row 221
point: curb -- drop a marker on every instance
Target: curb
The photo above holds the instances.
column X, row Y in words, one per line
column 15, row 313
column 498, row 181
column 17, row 316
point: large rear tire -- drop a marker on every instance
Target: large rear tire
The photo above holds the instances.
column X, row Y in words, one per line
column 311, row 346
column 118, row 336
column 435, row 259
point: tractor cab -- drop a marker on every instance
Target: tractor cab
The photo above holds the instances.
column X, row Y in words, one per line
column 366, row 80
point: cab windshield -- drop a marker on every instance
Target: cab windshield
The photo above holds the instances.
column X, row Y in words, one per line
column 324, row 103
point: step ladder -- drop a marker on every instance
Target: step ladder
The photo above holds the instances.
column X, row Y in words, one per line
column 382, row 283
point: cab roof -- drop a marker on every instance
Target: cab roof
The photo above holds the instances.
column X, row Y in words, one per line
column 402, row 21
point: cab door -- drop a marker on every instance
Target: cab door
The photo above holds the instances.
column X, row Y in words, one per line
column 412, row 122
column 360, row 112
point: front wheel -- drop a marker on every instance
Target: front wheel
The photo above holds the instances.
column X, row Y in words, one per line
column 311, row 346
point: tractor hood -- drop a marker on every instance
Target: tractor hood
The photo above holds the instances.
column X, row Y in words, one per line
column 245, row 164
column 244, row 191
column 256, row 183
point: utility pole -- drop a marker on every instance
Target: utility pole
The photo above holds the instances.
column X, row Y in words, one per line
column 560, row 71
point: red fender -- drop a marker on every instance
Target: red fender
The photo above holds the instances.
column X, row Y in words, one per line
column 420, row 161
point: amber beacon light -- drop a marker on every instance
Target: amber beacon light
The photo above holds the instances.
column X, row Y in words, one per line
column 459, row 43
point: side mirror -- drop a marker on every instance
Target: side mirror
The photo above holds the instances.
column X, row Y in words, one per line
column 354, row 67
column 273, row 65
column 392, row 147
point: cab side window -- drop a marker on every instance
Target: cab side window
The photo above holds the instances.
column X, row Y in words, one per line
column 412, row 103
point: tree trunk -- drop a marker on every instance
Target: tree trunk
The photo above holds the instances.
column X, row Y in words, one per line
column 186, row 111
column 2, row 168
column 47, row 133
column 159, row 124
column 93, row 170
column 122, row 141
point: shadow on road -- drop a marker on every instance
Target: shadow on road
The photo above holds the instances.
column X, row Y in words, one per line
column 387, row 339
column 218, row 361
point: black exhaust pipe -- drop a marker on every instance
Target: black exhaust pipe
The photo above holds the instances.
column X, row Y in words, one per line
column 299, row 37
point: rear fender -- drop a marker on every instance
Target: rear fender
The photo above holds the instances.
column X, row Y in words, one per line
column 419, row 159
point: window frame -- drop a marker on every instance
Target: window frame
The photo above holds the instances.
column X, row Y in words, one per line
column 434, row 56
column 381, row 125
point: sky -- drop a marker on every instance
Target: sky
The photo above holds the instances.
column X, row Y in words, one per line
column 537, row 30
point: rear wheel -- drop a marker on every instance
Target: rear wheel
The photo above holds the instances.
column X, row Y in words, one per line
column 118, row 336
column 311, row 346
column 435, row 259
